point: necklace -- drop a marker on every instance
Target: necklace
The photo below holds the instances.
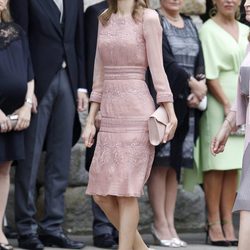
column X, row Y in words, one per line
column 171, row 18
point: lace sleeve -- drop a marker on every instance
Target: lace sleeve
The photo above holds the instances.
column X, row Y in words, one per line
column 9, row 32
column 96, row 94
column 153, row 38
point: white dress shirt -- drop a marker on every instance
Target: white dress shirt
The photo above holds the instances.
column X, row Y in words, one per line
column 59, row 4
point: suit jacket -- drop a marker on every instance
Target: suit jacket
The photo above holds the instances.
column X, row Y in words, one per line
column 91, row 30
column 51, row 42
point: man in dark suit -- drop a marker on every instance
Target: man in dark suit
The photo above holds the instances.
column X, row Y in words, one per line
column 104, row 234
column 55, row 32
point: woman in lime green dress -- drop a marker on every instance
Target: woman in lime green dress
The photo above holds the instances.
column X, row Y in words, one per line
column 224, row 42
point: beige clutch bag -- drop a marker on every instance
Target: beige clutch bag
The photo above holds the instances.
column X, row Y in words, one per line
column 157, row 125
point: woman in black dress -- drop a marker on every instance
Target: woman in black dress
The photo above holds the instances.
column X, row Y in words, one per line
column 16, row 95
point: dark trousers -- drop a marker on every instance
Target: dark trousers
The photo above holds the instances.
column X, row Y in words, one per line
column 52, row 125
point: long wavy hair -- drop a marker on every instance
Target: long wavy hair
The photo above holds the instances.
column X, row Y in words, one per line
column 139, row 5
column 5, row 14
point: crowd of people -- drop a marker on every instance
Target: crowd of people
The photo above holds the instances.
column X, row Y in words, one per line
column 128, row 59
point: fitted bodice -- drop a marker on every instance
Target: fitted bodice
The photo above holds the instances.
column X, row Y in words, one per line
column 121, row 42
column 125, row 48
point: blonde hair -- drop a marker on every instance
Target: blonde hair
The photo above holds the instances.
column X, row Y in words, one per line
column 5, row 14
column 139, row 5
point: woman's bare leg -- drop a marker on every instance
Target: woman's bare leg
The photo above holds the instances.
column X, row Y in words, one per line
column 244, row 239
column 129, row 219
column 111, row 207
column 229, row 189
column 213, row 181
column 157, row 197
column 4, row 187
column 171, row 194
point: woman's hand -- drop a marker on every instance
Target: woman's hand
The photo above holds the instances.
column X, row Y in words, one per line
column 24, row 116
column 89, row 134
column 218, row 143
column 193, row 101
column 198, row 88
column 170, row 129
column 172, row 124
column 5, row 124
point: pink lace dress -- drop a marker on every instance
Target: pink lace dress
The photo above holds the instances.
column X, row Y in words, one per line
column 123, row 156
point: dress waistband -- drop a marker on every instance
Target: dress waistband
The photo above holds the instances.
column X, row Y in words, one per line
column 124, row 73
column 116, row 125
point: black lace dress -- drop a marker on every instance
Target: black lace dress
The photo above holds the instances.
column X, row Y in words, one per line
column 15, row 72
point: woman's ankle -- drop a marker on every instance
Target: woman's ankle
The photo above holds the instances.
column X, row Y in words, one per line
column 173, row 231
column 215, row 231
column 228, row 230
column 162, row 230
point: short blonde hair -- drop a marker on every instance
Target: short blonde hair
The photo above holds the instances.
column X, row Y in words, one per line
column 139, row 5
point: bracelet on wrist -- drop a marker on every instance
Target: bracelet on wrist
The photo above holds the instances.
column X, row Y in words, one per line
column 29, row 101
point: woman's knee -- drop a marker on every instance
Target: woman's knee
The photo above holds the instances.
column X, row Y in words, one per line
column 127, row 200
column 101, row 200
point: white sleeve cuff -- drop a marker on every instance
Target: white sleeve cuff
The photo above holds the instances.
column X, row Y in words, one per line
column 82, row 90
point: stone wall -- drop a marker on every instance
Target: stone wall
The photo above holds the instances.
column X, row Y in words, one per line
column 190, row 207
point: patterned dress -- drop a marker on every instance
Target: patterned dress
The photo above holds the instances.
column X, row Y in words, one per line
column 123, row 156
column 184, row 43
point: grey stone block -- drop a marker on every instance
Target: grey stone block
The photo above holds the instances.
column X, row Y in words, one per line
column 190, row 210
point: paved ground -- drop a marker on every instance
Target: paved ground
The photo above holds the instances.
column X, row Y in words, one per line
column 196, row 241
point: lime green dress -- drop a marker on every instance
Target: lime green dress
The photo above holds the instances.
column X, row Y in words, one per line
column 223, row 56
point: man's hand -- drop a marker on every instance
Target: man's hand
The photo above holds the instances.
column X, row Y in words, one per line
column 82, row 101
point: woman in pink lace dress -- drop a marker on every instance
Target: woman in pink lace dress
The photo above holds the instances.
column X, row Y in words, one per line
column 129, row 40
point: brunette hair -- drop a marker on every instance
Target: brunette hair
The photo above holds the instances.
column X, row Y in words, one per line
column 5, row 14
column 139, row 5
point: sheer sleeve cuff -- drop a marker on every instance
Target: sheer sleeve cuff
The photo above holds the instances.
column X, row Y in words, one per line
column 164, row 98
column 95, row 97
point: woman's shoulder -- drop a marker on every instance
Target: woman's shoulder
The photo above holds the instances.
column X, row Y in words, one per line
column 188, row 20
column 244, row 27
column 150, row 15
column 208, row 29
column 21, row 32
column 208, row 25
